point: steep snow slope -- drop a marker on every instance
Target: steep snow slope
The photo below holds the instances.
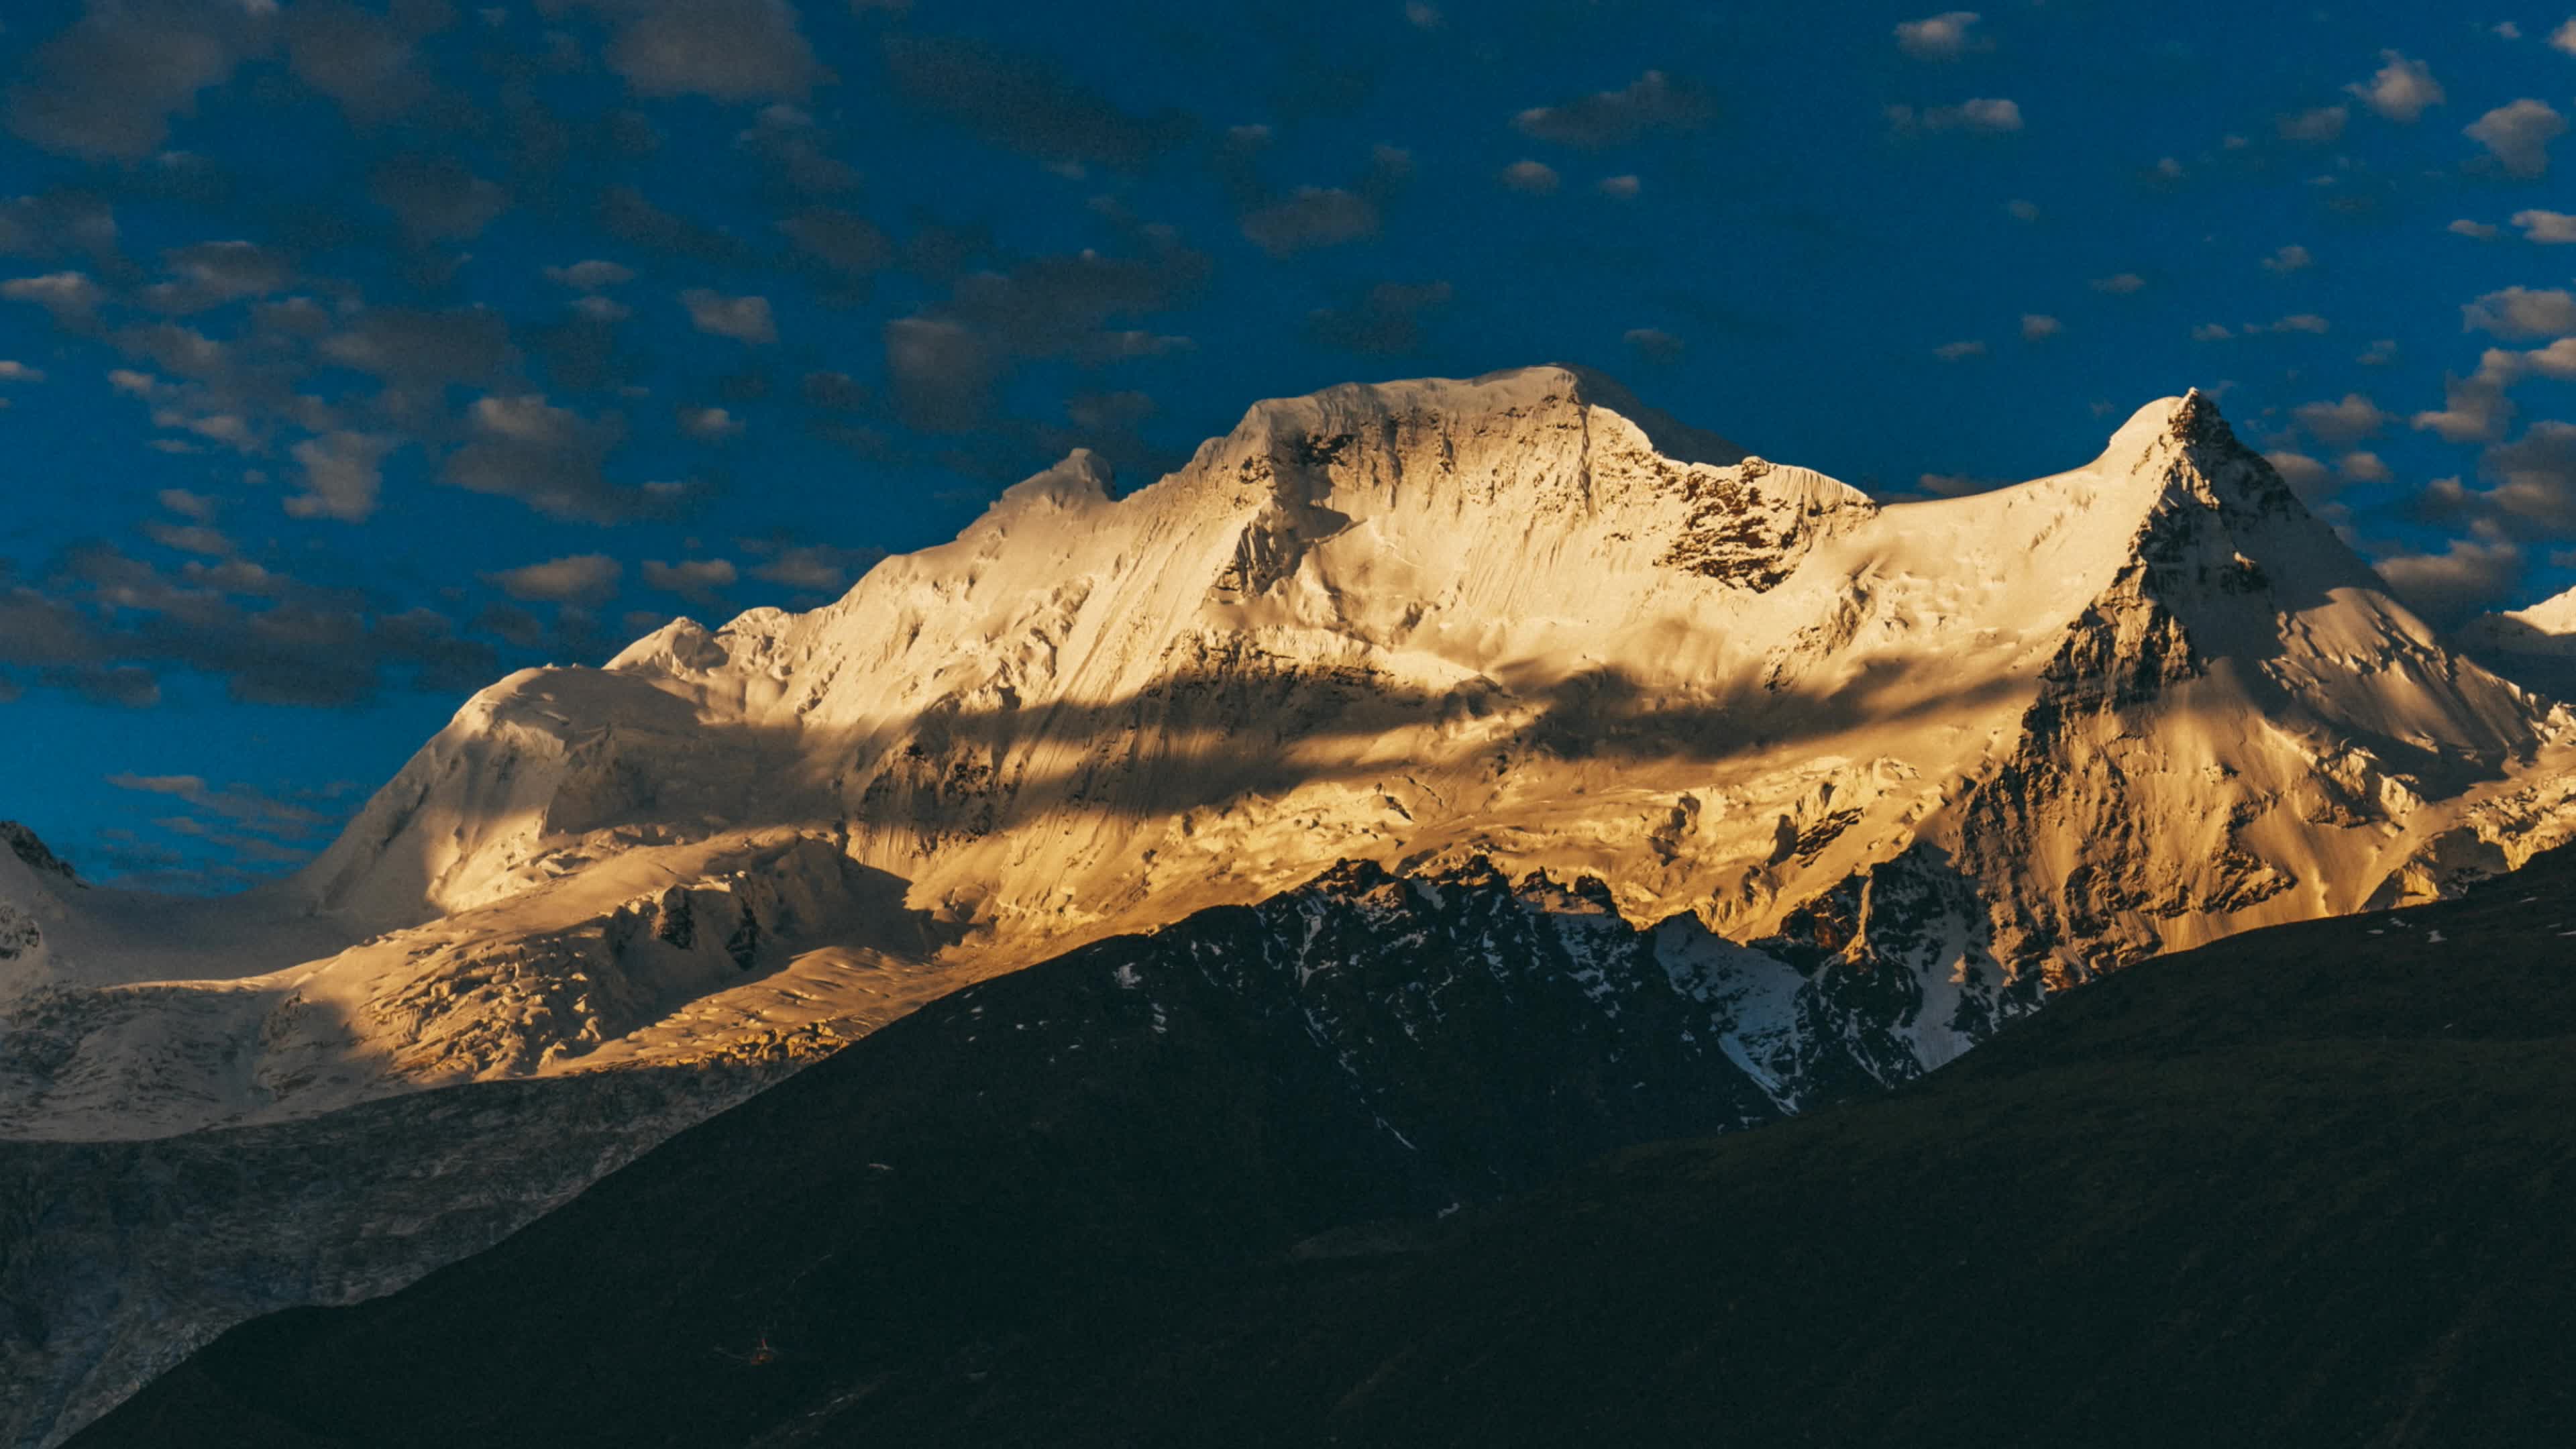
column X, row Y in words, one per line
column 1948, row 753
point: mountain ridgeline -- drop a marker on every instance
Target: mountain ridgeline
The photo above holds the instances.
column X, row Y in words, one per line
column 1714, row 786
column 2307, row 1186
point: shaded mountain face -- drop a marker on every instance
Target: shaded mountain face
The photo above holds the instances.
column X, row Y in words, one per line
column 2306, row 1186
column 1907, row 769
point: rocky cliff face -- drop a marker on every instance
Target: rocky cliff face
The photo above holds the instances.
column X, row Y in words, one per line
column 1927, row 761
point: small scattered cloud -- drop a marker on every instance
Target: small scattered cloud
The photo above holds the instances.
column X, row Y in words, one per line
column 744, row 319
column 2401, row 90
column 1310, row 217
column 2020, row 210
column 1655, row 101
column 2289, row 259
column 20, row 372
column 1946, row 36
column 186, row 504
column 2314, row 127
column 2212, row 332
column 71, row 296
column 2037, row 326
column 2363, row 466
column 586, row 578
column 726, row 50
column 2350, row 420
column 1959, row 351
column 2474, row 408
column 1654, row 344
column 1531, row 178
column 590, row 276
column 343, row 473
column 2522, row 312
column 1982, row 115
column 811, row 567
column 2468, row 575
column 1621, row 188
column 2549, row 228
column 2301, row 472
column 2563, row 38
column 2380, row 353
column 709, row 425
column 2518, row 136
column 699, row 580
column 2120, row 284
column 2479, row 230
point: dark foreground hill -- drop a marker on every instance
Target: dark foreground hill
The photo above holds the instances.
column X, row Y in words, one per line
column 2314, row 1185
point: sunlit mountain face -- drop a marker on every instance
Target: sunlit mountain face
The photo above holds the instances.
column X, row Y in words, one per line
column 1440, row 593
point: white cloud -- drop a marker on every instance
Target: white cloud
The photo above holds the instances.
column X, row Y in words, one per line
column 2401, row 90
column 2564, row 37
column 1941, row 37
column 2522, row 312
column 2518, row 135
column 1956, row 351
column 2322, row 124
column 19, row 372
column 2467, row 575
column 2120, row 284
column 2551, row 228
column 744, row 319
column 2301, row 472
column 2349, row 421
column 2036, row 326
column 699, row 580
column 2020, row 210
column 581, row 578
column 1536, row 178
column 1983, row 115
column 1623, row 188
column 709, row 425
column 343, row 473
column 1654, row 344
column 590, row 276
column 2289, row 259
column 2481, row 230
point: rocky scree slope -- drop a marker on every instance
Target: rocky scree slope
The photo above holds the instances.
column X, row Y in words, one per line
column 2305, row 1186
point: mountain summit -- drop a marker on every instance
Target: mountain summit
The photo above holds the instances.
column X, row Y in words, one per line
column 1975, row 747
column 1900, row 770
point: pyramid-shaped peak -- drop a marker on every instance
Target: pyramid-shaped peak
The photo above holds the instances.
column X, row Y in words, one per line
column 2192, row 419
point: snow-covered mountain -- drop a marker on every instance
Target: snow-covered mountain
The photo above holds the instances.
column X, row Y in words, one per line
column 1906, row 767
column 1990, row 743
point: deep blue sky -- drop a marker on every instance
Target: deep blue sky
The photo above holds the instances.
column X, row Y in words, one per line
column 316, row 422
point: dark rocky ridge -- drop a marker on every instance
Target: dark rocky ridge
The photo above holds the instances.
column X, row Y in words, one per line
column 2309, row 1186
